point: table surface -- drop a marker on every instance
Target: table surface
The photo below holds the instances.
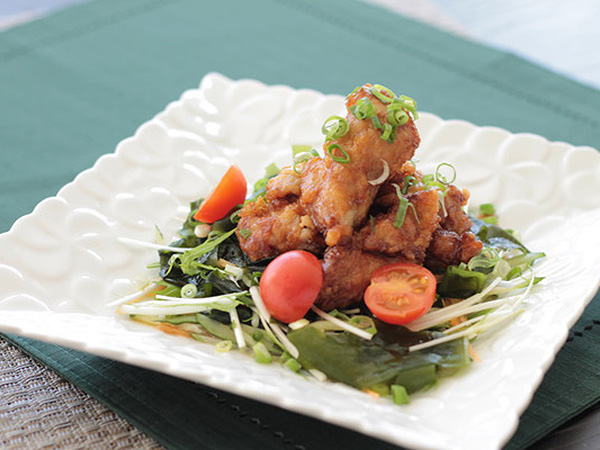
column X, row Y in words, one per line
column 39, row 409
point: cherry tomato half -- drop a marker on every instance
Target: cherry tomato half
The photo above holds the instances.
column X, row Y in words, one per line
column 400, row 293
column 230, row 191
column 290, row 285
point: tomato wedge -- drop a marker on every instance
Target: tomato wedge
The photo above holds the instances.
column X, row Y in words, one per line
column 290, row 285
column 230, row 191
column 400, row 293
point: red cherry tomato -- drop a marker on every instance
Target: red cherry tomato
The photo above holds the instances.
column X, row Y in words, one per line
column 230, row 191
column 400, row 293
column 290, row 285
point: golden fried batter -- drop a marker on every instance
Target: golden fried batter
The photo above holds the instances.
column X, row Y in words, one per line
column 270, row 227
column 346, row 274
column 452, row 242
column 331, row 209
column 412, row 239
column 342, row 197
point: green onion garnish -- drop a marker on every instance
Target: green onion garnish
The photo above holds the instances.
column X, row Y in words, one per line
column 303, row 157
column 396, row 114
column 487, row 209
column 399, row 394
column 410, row 105
column 398, row 118
column 345, row 159
column 387, row 132
column 384, row 94
column 440, row 177
column 402, row 207
column 363, row 109
column 401, row 214
column 189, row 291
column 224, row 346
column 261, row 353
column 245, row 233
column 409, row 181
column 376, row 123
column 334, row 128
column 292, row 364
column 490, row 219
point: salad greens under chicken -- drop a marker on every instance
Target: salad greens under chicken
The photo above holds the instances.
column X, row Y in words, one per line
column 384, row 294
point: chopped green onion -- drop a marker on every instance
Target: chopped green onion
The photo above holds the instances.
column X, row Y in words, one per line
column 292, row 364
column 303, row 157
column 408, row 181
column 399, row 394
column 245, row 233
column 261, row 353
column 487, row 209
column 189, row 291
column 387, row 132
column 401, row 214
column 345, row 159
column 335, row 130
column 376, row 123
column 364, row 323
column 402, row 207
column 397, row 116
column 363, row 109
column 440, row 177
column 427, row 178
column 234, row 217
column 224, row 346
column 410, row 105
column 271, row 170
column 490, row 219
column 385, row 95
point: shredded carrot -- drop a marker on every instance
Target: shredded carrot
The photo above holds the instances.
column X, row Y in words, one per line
column 455, row 320
column 149, row 295
column 371, row 392
column 171, row 329
column 473, row 354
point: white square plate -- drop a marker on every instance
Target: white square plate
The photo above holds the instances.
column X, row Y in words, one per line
column 62, row 264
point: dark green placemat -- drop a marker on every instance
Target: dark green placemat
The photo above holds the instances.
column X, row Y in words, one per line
column 76, row 83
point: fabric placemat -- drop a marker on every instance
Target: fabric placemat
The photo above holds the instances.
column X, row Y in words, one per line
column 76, row 83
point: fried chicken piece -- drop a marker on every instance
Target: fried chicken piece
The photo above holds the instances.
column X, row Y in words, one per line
column 449, row 248
column 347, row 273
column 456, row 219
column 338, row 195
column 452, row 242
column 278, row 223
column 412, row 239
column 283, row 188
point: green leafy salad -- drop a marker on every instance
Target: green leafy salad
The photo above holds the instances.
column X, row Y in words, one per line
column 210, row 291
